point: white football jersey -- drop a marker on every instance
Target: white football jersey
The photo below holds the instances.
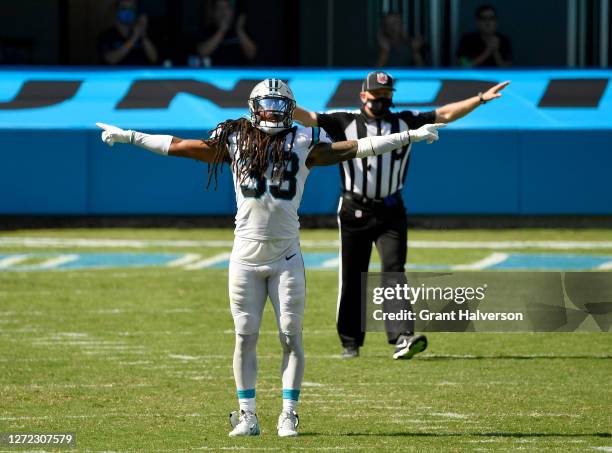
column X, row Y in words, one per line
column 267, row 208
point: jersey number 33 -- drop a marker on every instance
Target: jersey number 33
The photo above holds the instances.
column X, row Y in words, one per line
column 257, row 186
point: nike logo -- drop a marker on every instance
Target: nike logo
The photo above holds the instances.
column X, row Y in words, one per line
column 403, row 344
column 289, row 257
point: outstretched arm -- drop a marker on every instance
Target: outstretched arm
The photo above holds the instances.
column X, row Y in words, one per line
column 333, row 153
column 166, row 145
column 192, row 149
column 307, row 118
column 456, row 110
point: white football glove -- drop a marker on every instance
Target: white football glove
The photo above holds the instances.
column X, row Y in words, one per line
column 158, row 144
column 427, row 132
column 113, row 134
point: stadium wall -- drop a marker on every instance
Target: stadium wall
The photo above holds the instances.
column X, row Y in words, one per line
column 517, row 156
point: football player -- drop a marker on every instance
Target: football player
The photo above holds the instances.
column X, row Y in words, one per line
column 270, row 160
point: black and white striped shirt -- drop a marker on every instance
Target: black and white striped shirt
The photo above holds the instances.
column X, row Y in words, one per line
column 375, row 177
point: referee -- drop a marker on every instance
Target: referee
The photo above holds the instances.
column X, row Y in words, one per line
column 371, row 209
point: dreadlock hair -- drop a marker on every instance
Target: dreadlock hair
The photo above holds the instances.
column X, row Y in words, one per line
column 256, row 150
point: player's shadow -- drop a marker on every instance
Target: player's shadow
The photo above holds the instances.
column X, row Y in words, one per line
column 464, row 434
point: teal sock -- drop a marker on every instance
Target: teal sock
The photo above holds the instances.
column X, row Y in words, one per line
column 246, row 400
column 290, row 399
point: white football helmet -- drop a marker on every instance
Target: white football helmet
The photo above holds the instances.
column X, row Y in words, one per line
column 271, row 106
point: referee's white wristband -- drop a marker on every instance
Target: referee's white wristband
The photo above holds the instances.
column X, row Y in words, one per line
column 373, row 146
column 158, row 144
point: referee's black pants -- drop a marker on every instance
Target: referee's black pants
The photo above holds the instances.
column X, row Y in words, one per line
column 361, row 225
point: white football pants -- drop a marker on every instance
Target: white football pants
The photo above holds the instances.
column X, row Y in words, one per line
column 250, row 285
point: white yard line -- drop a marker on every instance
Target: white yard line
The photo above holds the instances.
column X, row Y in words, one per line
column 10, row 260
column 491, row 260
column 331, row 263
column 448, row 415
column 184, row 260
column 312, row 384
column 554, row 245
column 43, row 242
column 85, row 416
column 208, row 262
column 320, row 243
column 185, row 358
column 106, row 243
column 57, row 261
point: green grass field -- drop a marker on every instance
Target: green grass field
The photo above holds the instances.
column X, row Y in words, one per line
column 139, row 359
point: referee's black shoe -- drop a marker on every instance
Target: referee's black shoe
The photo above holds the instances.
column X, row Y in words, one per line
column 409, row 345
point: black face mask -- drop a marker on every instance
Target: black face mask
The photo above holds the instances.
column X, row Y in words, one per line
column 379, row 106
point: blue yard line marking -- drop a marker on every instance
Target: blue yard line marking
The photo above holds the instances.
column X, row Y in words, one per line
column 120, row 260
column 550, row 261
column 96, row 260
column 318, row 260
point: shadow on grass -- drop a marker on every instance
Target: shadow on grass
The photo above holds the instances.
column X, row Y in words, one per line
column 466, row 434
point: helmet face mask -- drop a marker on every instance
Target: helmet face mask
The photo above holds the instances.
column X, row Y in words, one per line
column 271, row 106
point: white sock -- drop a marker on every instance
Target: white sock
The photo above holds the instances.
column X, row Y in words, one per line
column 247, row 404
column 289, row 405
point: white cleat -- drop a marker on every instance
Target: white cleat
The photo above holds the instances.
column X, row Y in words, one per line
column 287, row 424
column 244, row 423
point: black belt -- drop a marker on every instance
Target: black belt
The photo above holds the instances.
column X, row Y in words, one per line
column 391, row 200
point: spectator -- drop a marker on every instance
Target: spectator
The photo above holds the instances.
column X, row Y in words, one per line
column 225, row 40
column 127, row 41
column 485, row 47
column 396, row 48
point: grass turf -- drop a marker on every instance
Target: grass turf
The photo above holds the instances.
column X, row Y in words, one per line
column 140, row 360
